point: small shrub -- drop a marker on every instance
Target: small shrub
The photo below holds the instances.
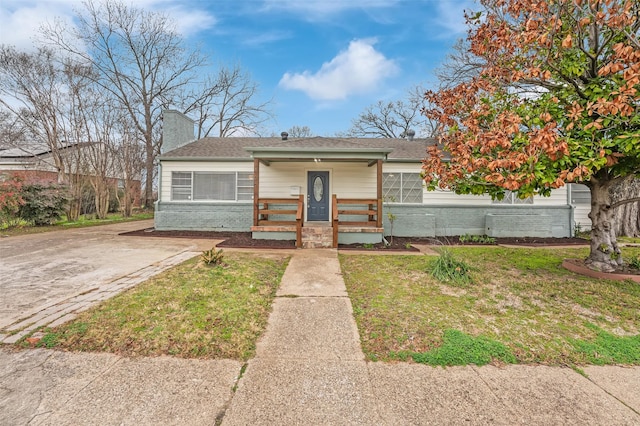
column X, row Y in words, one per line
column 44, row 204
column 407, row 246
column 450, row 270
column 10, row 201
column 212, row 256
column 476, row 239
column 368, row 246
column 635, row 263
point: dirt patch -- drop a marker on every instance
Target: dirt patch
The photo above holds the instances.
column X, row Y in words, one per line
column 244, row 240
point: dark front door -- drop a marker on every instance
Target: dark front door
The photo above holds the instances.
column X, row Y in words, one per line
column 318, row 196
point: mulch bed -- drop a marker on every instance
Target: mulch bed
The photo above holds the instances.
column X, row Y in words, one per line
column 244, row 240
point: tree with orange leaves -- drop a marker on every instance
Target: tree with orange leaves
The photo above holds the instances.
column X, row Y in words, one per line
column 557, row 100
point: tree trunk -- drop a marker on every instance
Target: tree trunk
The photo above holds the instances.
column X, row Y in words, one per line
column 128, row 198
column 102, row 200
column 605, row 254
column 626, row 216
column 148, row 184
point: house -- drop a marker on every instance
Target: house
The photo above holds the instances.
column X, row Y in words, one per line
column 325, row 191
column 35, row 163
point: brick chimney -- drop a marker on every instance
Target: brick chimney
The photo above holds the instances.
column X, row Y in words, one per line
column 177, row 130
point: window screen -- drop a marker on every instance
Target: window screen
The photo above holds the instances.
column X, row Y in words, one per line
column 181, row 185
column 214, row 186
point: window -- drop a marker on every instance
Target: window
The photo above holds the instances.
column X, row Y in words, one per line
column 580, row 194
column 402, row 187
column 245, row 186
column 181, row 186
column 212, row 186
column 512, row 198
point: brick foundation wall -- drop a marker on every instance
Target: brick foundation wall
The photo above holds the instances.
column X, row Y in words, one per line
column 498, row 221
column 232, row 217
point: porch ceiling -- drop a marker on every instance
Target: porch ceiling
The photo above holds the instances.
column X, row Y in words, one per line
column 272, row 154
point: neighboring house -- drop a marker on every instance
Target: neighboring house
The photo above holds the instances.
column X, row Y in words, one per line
column 35, row 164
column 321, row 191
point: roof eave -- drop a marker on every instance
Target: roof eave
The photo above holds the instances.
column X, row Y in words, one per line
column 218, row 159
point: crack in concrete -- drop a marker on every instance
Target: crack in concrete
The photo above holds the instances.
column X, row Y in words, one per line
column 234, row 388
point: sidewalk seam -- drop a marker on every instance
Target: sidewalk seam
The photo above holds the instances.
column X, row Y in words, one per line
column 611, row 395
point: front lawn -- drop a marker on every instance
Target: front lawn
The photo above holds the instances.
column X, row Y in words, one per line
column 521, row 306
column 83, row 222
column 192, row 311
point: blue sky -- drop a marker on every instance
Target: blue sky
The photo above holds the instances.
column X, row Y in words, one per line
column 320, row 61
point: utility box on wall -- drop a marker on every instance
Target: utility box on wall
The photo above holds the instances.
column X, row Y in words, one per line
column 294, row 190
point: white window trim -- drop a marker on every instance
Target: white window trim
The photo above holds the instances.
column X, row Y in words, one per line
column 191, row 200
column 402, row 189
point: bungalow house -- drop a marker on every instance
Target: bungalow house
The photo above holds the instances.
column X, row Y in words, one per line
column 324, row 191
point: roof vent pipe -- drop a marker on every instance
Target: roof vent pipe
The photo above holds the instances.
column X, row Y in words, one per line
column 284, row 135
column 410, row 134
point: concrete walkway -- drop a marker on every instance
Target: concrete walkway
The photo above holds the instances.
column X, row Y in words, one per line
column 309, row 369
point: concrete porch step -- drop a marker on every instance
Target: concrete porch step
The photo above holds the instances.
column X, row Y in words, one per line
column 317, row 237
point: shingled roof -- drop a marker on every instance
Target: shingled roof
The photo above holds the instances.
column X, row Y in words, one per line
column 235, row 148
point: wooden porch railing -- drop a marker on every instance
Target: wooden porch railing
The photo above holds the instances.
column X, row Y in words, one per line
column 353, row 207
column 280, row 206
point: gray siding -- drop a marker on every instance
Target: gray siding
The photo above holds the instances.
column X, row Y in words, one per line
column 497, row 221
column 232, row 217
column 410, row 220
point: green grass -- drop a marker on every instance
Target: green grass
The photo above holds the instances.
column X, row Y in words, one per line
column 191, row 311
column 82, row 222
column 520, row 298
column 609, row 349
column 460, row 349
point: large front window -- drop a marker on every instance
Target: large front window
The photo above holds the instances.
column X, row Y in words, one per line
column 402, row 187
column 212, row 186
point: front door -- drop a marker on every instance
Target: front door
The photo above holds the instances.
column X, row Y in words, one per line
column 317, row 196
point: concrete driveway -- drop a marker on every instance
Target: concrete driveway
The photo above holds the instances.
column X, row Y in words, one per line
column 41, row 270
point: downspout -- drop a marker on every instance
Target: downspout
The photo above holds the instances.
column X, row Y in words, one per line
column 159, row 184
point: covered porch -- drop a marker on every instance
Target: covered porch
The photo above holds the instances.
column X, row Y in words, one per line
column 334, row 195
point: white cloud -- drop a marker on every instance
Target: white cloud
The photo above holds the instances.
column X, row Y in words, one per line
column 317, row 9
column 190, row 21
column 21, row 19
column 359, row 69
column 450, row 16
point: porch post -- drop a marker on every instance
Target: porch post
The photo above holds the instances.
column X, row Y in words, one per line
column 379, row 189
column 256, row 190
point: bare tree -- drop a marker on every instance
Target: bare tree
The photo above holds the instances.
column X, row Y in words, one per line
column 13, row 133
column 392, row 119
column 31, row 91
column 300, row 132
column 128, row 151
column 226, row 104
column 138, row 57
column 460, row 65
